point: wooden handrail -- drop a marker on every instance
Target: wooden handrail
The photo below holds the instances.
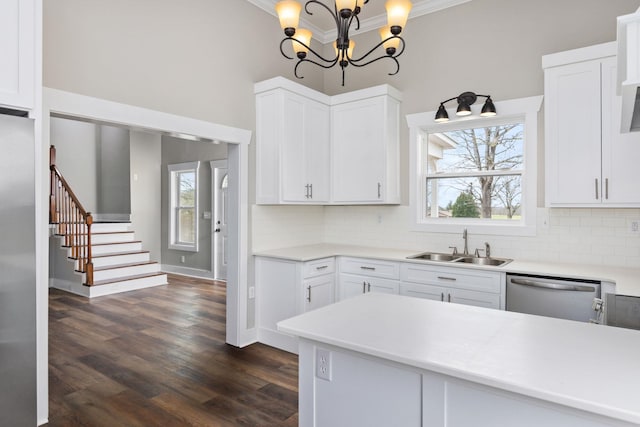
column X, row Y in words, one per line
column 72, row 219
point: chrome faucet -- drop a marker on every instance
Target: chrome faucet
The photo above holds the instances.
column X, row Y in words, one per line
column 466, row 247
column 487, row 250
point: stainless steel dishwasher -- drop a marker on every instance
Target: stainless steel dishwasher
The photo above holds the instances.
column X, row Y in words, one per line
column 553, row 297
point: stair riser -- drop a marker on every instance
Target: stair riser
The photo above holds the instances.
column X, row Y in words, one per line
column 128, row 285
column 110, row 249
column 99, row 228
column 120, row 259
column 125, row 271
column 108, row 238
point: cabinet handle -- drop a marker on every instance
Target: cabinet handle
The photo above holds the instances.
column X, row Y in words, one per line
column 308, row 293
column 368, row 287
column 322, row 267
column 442, row 296
column 368, row 268
column 311, row 191
column 379, row 190
column 364, row 287
column 448, row 297
column 597, row 189
column 447, row 278
column 306, row 194
column 606, row 188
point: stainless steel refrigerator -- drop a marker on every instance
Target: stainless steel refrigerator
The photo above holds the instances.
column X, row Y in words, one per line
column 17, row 273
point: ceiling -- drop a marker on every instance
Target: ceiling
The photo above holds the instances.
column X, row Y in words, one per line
column 372, row 17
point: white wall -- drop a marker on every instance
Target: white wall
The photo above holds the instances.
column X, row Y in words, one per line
column 76, row 158
column 146, row 190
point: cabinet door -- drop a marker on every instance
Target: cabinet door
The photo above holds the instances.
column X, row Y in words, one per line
column 317, row 158
column 293, row 168
column 620, row 151
column 466, row 297
column 384, row 286
column 572, row 130
column 435, row 293
column 358, row 143
column 318, row 292
column 18, row 47
column 351, row 286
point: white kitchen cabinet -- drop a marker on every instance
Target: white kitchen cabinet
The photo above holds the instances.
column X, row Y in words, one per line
column 365, row 149
column 589, row 162
column 292, row 146
column 467, row 286
column 18, row 46
column 352, row 285
column 315, row 149
column 361, row 275
column 286, row 288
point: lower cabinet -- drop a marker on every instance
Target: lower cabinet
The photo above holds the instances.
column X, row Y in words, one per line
column 360, row 275
column 467, row 286
column 287, row 288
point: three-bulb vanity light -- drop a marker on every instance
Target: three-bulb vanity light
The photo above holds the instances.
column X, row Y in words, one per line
column 345, row 13
column 465, row 101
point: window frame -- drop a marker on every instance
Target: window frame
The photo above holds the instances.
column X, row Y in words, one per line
column 174, row 171
column 421, row 124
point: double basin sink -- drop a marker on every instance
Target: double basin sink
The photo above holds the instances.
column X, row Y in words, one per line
column 460, row 258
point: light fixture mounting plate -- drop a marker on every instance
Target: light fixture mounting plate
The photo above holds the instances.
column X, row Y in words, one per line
column 467, row 98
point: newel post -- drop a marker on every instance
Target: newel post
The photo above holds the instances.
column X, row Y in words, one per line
column 89, row 265
column 53, row 217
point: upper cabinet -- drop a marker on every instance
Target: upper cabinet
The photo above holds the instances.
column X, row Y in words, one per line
column 292, row 148
column 365, row 148
column 18, row 47
column 589, row 162
column 316, row 149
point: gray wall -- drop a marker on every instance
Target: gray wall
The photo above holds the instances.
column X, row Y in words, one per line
column 146, row 190
column 175, row 150
column 114, row 194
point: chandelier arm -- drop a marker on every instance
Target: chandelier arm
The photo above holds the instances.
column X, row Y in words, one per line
column 282, row 50
column 293, row 39
column 327, row 66
column 333, row 13
column 393, row 58
column 363, row 57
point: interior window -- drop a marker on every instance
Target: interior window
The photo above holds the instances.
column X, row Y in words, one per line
column 183, row 217
column 476, row 172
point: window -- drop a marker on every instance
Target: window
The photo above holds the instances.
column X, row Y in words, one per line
column 183, row 208
column 476, row 172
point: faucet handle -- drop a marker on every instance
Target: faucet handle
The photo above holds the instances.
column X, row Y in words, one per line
column 477, row 253
column 455, row 250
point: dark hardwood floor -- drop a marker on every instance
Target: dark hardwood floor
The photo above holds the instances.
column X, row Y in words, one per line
column 157, row 357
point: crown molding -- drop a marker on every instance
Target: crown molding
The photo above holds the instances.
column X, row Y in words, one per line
column 420, row 8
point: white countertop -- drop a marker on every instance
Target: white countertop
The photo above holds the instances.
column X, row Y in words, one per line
column 581, row 365
column 627, row 280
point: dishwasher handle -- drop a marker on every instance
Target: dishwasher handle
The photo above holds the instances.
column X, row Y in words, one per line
column 554, row 286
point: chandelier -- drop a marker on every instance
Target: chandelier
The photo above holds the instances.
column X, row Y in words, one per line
column 345, row 13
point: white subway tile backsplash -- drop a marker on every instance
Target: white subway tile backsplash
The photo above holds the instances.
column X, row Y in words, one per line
column 584, row 236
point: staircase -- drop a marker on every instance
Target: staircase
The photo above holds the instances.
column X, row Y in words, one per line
column 119, row 263
column 97, row 258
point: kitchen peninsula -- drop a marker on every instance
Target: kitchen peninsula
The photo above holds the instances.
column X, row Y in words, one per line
column 382, row 359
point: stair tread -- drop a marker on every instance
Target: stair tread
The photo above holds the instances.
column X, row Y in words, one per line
column 101, row 233
column 116, row 266
column 120, row 253
column 125, row 278
column 116, row 243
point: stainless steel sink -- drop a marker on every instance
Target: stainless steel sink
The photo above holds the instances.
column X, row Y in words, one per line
column 436, row 256
column 483, row 261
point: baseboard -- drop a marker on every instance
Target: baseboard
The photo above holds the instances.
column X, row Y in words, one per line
column 69, row 286
column 187, row 271
column 43, row 422
column 278, row 339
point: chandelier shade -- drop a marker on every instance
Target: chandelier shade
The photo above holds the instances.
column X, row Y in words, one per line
column 346, row 15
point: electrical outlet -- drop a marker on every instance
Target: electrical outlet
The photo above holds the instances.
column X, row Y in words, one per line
column 634, row 226
column 252, row 292
column 323, row 364
column 182, row 259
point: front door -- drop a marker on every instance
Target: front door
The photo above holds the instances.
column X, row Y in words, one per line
column 219, row 178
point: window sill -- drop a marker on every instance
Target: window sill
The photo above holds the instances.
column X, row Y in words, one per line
column 452, row 226
column 186, row 248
